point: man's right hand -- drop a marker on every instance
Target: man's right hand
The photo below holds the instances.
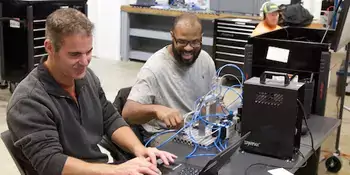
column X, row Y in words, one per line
column 171, row 117
column 136, row 166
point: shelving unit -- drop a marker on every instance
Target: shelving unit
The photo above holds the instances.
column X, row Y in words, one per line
column 146, row 30
column 143, row 35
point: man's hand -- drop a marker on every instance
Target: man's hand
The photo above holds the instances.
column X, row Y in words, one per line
column 152, row 154
column 171, row 117
column 136, row 166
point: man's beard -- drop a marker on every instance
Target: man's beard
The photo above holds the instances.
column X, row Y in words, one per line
column 182, row 61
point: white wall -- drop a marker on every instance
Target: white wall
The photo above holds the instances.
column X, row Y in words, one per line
column 93, row 14
column 106, row 16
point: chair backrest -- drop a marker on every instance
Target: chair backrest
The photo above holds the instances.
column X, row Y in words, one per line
column 7, row 139
column 121, row 98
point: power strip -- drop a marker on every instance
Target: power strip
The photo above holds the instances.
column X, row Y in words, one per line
column 203, row 141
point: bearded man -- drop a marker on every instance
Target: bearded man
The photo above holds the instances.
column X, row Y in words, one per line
column 171, row 80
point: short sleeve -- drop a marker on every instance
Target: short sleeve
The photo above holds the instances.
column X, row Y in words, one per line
column 144, row 90
column 211, row 70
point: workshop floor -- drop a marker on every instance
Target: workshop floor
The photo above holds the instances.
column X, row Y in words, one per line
column 115, row 75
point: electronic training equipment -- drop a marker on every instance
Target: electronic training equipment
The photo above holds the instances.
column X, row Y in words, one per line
column 211, row 168
column 212, row 123
column 272, row 114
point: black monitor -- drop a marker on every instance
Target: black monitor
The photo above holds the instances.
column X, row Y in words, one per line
column 215, row 164
column 342, row 34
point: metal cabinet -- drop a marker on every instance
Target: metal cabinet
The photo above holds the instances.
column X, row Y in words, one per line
column 230, row 37
column 22, row 34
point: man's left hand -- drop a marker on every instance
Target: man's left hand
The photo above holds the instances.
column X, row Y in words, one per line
column 153, row 153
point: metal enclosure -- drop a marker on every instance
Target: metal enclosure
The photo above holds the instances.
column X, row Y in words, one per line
column 22, row 34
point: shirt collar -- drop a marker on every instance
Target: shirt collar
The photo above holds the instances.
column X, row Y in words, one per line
column 51, row 85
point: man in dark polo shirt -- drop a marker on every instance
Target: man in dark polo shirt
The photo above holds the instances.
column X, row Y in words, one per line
column 59, row 113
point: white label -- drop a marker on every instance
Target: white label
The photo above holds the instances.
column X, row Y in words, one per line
column 15, row 24
column 240, row 23
column 278, row 78
column 277, row 54
column 279, row 171
column 241, row 20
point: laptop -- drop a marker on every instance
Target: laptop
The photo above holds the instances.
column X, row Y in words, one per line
column 211, row 168
column 144, row 3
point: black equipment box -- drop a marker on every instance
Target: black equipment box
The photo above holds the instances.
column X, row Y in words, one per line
column 272, row 114
column 309, row 56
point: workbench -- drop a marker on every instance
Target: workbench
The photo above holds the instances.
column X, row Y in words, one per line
column 146, row 30
column 244, row 163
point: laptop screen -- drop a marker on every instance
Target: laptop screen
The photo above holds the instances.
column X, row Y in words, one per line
column 215, row 164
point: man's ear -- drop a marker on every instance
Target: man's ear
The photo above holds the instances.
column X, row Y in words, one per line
column 49, row 47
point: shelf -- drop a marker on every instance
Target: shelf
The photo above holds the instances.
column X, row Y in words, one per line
column 139, row 55
column 162, row 35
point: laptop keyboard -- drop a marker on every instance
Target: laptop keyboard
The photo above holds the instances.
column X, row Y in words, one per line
column 189, row 171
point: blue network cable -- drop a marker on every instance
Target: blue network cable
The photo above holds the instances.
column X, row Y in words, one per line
column 157, row 135
column 198, row 155
column 184, row 127
column 239, row 95
column 178, row 132
column 196, row 145
column 233, row 86
column 226, row 143
column 217, row 140
column 221, row 145
column 230, row 65
column 197, row 117
column 194, row 150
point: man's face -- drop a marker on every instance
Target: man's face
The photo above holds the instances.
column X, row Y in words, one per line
column 272, row 18
column 74, row 56
column 186, row 44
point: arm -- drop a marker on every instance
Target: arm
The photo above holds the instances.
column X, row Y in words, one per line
column 137, row 113
column 35, row 133
column 127, row 140
column 140, row 107
column 114, row 125
column 76, row 166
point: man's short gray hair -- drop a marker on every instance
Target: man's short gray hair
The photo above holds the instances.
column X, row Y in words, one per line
column 64, row 22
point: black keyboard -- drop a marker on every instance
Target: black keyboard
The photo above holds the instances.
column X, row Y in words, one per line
column 189, row 171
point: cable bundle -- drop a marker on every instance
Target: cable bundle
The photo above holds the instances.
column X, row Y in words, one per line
column 216, row 92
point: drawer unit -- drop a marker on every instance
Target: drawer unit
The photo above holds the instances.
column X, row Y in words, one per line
column 22, row 45
column 230, row 37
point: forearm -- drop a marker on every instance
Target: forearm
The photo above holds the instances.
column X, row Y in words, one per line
column 136, row 113
column 77, row 167
column 125, row 138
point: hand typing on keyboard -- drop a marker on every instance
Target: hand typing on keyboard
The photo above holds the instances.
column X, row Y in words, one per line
column 152, row 154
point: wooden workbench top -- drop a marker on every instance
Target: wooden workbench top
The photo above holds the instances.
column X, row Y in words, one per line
column 201, row 15
column 172, row 12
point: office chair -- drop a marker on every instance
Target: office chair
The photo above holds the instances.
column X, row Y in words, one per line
column 14, row 152
column 119, row 103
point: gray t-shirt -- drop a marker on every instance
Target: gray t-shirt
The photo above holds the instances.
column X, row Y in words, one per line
column 165, row 82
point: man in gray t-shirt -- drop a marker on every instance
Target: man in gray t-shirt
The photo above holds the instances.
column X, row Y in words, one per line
column 171, row 80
